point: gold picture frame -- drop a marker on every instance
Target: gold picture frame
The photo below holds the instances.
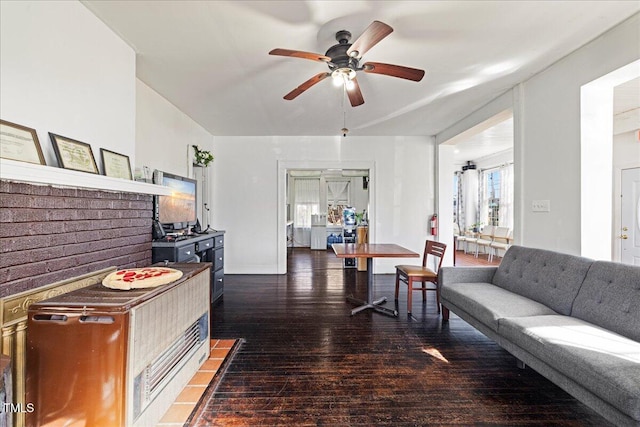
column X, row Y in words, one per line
column 115, row 165
column 20, row 143
column 74, row 155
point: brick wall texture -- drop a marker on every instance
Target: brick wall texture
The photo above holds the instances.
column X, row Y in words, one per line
column 48, row 234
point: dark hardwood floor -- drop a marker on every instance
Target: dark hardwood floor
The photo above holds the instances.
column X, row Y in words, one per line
column 305, row 361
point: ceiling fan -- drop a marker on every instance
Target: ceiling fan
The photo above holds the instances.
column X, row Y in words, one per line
column 344, row 58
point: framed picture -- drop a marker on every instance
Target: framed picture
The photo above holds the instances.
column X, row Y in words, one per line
column 74, row 155
column 115, row 164
column 21, row 143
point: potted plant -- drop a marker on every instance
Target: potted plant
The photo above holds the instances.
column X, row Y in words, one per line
column 475, row 227
column 202, row 157
column 361, row 219
column 362, row 229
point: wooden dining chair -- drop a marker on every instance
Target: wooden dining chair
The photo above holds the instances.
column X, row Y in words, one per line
column 411, row 274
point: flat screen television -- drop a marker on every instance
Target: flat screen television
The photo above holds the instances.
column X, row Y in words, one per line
column 176, row 211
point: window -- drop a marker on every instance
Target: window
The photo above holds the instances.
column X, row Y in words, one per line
column 337, row 200
column 456, row 197
column 494, row 202
column 306, row 201
column 492, row 196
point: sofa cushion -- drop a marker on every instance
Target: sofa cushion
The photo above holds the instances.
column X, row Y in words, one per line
column 551, row 278
column 603, row 362
column 610, row 297
column 488, row 303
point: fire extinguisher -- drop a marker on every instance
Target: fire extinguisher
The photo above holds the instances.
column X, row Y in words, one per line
column 434, row 224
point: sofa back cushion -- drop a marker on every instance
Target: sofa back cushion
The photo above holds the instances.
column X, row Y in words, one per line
column 610, row 298
column 548, row 277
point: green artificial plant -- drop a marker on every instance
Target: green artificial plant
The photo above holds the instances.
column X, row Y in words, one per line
column 202, row 157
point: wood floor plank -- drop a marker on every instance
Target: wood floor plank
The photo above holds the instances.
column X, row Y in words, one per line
column 305, row 361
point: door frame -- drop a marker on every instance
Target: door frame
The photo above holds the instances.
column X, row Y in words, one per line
column 617, row 243
column 285, row 165
column 597, row 171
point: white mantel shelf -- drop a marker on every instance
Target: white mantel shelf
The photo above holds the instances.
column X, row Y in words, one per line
column 12, row 170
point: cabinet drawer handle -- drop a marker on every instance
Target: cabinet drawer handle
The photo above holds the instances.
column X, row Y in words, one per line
column 188, row 252
column 219, row 280
column 219, row 241
column 220, row 259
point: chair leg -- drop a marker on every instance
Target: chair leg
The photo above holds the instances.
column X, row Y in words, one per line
column 445, row 314
column 438, row 297
column 409, row 292
column 424, row 291
column 397, row 285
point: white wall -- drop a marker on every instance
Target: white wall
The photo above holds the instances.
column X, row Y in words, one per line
column 551, row 136
column 446, row 168
column 494, row 160
column 547, row 142
column 626, row 150
column 63, row 71
column 247, row 194
column 164, row 136
column 164, row 133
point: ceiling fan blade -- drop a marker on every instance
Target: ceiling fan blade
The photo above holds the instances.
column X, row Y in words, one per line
column 375, row 32
column 355, row 95
column 394, row 71
column 306, row 85
column 300, row 54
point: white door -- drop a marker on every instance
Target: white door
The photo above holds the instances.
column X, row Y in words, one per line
column 630, row 217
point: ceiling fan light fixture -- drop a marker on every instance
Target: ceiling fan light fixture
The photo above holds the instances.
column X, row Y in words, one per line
column 344, row 74
column 344, row 77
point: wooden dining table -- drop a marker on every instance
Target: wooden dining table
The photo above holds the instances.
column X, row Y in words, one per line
column 371, row 251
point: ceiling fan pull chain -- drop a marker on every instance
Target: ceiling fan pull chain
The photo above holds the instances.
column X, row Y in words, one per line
column 344, row 129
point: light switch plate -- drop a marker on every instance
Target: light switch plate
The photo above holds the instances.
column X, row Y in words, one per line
column 541, row 206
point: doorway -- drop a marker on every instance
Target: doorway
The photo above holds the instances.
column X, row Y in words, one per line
column 316, row 202
column 630, row 217
column 480, row 176
column 598, row 102
column 285, row 208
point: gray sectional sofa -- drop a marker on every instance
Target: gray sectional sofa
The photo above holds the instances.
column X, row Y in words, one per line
column 574, row 320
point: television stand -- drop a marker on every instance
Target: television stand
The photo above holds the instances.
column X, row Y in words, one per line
column 207, row 247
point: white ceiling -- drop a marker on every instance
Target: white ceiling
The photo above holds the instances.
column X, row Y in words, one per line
column 496, row 139
column 210, row 58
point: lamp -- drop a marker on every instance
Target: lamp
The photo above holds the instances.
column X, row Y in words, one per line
column 344, row 76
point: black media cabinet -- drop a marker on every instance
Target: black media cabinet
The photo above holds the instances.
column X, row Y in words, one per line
column 198, row 247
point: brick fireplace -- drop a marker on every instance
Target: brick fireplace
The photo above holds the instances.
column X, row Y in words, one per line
column 57, row 238
column 49, row 234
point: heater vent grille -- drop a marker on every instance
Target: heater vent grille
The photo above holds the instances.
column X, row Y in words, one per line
column 155, row 375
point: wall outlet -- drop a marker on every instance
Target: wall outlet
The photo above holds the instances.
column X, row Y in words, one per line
column 541, row 206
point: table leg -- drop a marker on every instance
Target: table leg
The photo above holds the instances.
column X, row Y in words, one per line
column 369, row 303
